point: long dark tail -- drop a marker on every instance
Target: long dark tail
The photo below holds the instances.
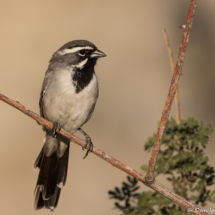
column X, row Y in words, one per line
column 53, row 164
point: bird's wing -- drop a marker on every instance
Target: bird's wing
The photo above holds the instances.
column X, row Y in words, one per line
column 42, row 93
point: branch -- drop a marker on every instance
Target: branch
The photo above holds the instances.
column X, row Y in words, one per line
column 155, row 150
column 155, row 186
column 178, row 114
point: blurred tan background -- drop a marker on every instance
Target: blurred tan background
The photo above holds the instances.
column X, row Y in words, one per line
column 134, row 81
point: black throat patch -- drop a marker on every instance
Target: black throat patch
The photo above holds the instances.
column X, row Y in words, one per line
column 82, row 77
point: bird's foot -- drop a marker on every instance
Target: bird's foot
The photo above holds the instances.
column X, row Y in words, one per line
column 56, row 126
column 88, row 143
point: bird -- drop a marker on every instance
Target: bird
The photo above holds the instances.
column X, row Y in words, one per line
column 67, row 99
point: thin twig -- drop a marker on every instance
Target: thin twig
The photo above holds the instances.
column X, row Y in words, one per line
column 178, row 113
column 155, row 150
column 155, row 186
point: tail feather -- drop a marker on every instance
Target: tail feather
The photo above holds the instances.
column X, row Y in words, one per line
column 38, row 161
column 53, row 164
column 53, row 201
column 39, row 202
column 63, row 170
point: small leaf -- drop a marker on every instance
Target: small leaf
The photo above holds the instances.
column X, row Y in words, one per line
column 136, row 188
column 129, row 179
column 125, row 184
column 117, row 190
column 111, row 193
column 134, row 181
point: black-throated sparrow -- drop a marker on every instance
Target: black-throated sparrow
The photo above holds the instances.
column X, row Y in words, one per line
column 68, row 97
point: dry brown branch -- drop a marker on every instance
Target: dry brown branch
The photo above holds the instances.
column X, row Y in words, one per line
column 155, row 150
column 155, row 186
column 145, row 180
column 178, row 114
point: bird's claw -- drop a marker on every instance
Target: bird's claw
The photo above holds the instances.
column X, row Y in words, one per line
column 56, row 126
column 88, row 143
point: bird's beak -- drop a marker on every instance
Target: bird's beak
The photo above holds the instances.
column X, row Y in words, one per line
column 97, row 53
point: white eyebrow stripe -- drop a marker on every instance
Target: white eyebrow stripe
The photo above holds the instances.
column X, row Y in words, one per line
column 75, row 49
column 81, row 64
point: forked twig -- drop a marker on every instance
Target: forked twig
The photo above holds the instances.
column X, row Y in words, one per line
column 178, row 113
column 155, row 150
column 155, row 185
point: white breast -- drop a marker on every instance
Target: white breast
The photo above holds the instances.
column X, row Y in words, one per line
column 64, row 105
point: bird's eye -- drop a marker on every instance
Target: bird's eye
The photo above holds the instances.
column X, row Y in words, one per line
column 82, row 52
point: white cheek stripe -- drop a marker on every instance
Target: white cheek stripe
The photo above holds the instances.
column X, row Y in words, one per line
column 81, row 64
column 75, row 49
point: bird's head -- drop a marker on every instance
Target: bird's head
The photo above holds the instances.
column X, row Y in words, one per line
column 77, row 53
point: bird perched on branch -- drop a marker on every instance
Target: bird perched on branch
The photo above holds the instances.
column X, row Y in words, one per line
column 68, row 98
